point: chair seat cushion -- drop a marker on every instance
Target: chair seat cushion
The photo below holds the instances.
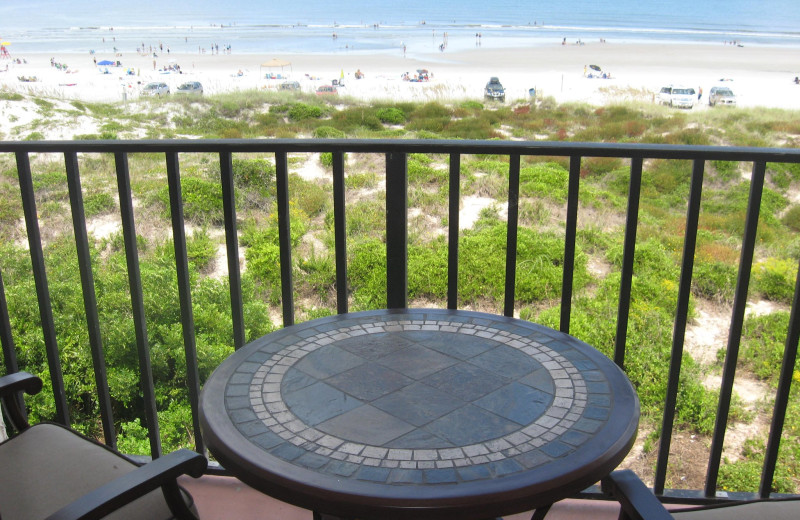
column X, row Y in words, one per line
column 776, row 509
column 48, row 466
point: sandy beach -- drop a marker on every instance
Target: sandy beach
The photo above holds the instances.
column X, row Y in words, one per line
column 760, row 76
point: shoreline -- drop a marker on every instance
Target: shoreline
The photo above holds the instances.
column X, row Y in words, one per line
column 760, row 75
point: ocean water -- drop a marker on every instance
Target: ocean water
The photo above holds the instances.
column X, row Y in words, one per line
column 370, row 26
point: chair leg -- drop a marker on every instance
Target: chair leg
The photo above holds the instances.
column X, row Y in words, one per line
column 540, row 512
column 175, row 501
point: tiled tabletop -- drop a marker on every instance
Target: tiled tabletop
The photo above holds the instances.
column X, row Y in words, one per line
column 424, row 403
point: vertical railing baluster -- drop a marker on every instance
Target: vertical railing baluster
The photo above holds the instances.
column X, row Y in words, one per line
column 42, row 289
column 782, row 394
column 137, row 301
column 340, row 233
column 681, row 314
column 232, row 247
column 396, row 230
column 6, row 338
column 737, row 319
column 570, row 232
column 90, row 298
column 511, row 235
column 7, row 341
column 631, row 223
column 284, row 237
column 184, row 294
column 454, row 204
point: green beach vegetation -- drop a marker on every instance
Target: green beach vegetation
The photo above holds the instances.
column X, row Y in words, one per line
column 484, row 183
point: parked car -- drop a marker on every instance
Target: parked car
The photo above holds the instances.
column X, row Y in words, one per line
column 290, row 85
column 327, row 90
column 155, row 89
column 494, row 90
column 677, row 96
column 721, row 96
column 191, row 87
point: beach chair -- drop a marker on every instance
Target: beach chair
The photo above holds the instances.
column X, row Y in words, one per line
column 51, row 471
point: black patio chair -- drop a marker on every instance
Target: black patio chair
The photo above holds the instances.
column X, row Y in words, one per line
column 639, row 503
column 53, row 472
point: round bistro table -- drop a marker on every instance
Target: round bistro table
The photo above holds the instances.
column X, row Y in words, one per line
column 419, row 414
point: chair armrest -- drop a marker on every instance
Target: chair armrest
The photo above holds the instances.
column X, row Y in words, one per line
column 10, row 386
column 636, row 500
column 161, row 472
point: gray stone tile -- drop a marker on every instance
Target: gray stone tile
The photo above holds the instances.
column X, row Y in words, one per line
column 319, row 402
column 366, row 424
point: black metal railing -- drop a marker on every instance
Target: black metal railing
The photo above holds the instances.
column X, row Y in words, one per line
column 396, row 154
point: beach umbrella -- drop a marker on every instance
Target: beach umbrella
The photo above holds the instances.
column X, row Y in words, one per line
column 276, row 62
column 595, row 67
column 105, row 62
column 5, row 43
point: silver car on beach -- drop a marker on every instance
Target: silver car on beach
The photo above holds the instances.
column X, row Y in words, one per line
column 191, row 87
column 157, row 88
column 721, row 96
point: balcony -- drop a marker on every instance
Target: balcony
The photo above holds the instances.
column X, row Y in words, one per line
column 40, row 165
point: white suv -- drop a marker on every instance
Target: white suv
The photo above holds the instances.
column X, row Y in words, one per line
column 683, row 97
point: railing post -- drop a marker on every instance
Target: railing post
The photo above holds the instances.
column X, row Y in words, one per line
column 90, row 298
column 232, row 245
column 137, row 302
column 570, row 232
column 453, row 230
column 782, row 394
column 284, row 237
column 679, row 332
column 396, row 230
column 737, row 319
column 42, row 289
column 512, row 234
column 340, row 232
column 626, row 280
column 184, row 294
column 7, row 340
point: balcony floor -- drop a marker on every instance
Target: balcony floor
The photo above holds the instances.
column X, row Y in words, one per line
column 226, row 498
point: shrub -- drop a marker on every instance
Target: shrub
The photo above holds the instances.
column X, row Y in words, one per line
column 326, row 159
column 11, row 96
column 792, row 218
column 539, row 264
column 353, row 118
column 763, row 342
column 599, row 165
column 328, row 132
column 714, row 280
column 97, row 202
column 202, row 200
column 726, row 170
column 311, row 198
column 549, row 180
column 775, row 279
column 200, row 250
column 472, row 105
column 258, row 174
column 301, row 111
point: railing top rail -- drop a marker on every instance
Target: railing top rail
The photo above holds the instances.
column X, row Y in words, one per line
column 622, row 150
